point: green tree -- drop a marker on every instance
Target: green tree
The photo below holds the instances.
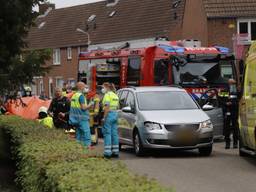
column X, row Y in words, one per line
column 16, row 18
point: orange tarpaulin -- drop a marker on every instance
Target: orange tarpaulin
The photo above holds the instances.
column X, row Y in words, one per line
column 32, row 105
column 30, row 109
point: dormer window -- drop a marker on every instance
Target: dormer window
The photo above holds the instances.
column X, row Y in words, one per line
column 91, row 18
column 111, row 3
column 41, row 25
column 176, row 4
column 112, row 14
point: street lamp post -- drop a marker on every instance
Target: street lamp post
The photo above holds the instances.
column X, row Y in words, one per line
column 84, row 32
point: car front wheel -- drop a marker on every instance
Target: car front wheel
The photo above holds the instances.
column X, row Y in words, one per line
column 138, row 147
column 205, row 151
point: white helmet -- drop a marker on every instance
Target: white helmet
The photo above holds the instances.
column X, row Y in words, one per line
column 27, row 89
column 42, row 110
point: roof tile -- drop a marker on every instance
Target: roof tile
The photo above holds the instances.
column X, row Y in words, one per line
column 133, row 20
column 230, row 8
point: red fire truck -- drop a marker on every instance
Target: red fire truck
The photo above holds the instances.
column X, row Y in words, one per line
column 194, row 68
column 202, row 71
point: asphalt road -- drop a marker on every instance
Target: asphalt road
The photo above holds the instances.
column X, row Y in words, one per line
column 186, row 171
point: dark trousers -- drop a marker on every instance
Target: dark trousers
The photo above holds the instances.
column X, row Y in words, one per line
column 231, row 125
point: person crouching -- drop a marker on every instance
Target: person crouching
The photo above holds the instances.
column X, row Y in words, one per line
column 44, row 119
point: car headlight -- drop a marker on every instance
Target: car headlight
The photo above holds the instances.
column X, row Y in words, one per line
column 150, row 126
column 206, row 124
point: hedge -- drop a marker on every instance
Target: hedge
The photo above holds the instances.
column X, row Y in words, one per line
column 48, row 160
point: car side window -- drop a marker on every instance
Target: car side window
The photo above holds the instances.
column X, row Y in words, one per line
column 130, row 101
column 122, row 98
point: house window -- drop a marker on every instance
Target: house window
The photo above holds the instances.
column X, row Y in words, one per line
column 247, row 26
column 253, row 30
column 50, row 86
column 69, row 52
column 112, row 2
column 72, row 82
column 243, row 27
column 56, row 57
column 41, row 85
column 59, row 82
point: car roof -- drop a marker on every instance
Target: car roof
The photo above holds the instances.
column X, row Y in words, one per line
column 154, row 89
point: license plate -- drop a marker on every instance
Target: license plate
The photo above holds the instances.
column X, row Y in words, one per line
column 185, row 137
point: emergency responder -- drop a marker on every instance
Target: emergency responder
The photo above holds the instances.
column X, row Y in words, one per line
column 231, row 115
column 79, row 115
column 110, row 106
column 27, row 91
column 59, row 110
column 94, row 116
column 44, row 119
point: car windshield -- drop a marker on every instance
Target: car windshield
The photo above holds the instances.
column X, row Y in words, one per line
column 165, row 100
column 203, row 73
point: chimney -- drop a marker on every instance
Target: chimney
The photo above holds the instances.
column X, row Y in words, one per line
column 45, row 6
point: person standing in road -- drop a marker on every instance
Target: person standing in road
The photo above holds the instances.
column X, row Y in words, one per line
column 79, row 115
column 231, row 116
column 94, row 99
column 59, row 110
column 110, row 106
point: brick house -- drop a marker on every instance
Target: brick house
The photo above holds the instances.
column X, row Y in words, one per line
column 217, row 22
column 112, row 23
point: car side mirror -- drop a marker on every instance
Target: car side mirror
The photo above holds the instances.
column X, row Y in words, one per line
column 127, row 109
column 207, row 107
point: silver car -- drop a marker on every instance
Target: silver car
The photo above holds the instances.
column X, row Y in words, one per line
column 163, row 117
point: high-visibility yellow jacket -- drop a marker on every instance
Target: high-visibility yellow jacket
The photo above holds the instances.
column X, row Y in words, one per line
column 47, row 121
column 111, row 99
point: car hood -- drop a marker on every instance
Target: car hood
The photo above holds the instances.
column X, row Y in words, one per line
column 175, row 116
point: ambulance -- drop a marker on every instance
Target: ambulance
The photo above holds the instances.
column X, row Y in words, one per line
column 247, row 113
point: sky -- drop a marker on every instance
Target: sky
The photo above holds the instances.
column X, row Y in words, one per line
column 68, row 3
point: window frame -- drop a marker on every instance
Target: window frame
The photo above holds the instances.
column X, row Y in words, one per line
column 69, row 53
column 122, row 105
column 41, row 85
column 50, row 87
column 134, row 99
column 56, row 56
column 134, row 75
column 56, row 82
column 249, row 25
